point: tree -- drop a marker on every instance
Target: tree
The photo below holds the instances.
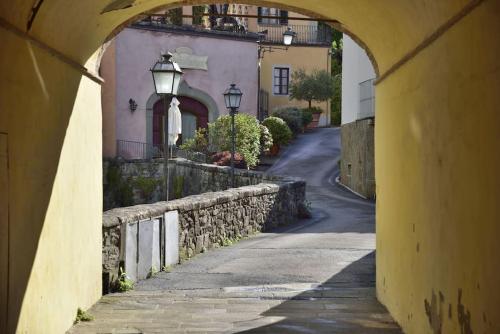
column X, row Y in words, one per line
column 317, row 86
column 336, row 53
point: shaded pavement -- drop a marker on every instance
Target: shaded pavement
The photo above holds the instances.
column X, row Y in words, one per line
column 317, row 276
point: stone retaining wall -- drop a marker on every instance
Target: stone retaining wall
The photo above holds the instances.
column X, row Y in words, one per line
column 203, row 221
column 357, row 164
column 135, row 182
column 191, row 178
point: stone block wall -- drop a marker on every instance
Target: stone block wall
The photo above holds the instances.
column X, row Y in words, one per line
column 204, row 220
column 357, row 164
column 135, row 182
column 192, row 178
column 132, row 182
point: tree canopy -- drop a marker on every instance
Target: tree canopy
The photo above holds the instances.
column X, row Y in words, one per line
column 314, row 86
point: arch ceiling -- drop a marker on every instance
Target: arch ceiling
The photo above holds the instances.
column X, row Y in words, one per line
column 389, row 29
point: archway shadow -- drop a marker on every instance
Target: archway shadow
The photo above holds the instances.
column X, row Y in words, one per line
column 345, row 303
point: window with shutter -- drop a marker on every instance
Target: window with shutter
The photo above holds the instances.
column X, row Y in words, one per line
column 283, row 17
column 265, row 15
column 281, row 76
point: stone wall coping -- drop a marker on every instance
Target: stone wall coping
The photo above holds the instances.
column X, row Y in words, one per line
column 214, row 168
column 225, row 169
column 136, row 213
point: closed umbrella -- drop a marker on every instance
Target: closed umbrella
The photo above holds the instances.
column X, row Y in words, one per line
column 174, row 122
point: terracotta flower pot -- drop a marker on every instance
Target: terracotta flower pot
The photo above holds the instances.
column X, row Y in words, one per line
column 315, row 121
column 274, row 149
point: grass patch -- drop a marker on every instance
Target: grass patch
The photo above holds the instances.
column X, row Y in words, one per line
column 82, row 316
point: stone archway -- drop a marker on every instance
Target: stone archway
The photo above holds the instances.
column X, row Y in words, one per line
column 436, row 150
column 194, row 116
column 184, row 91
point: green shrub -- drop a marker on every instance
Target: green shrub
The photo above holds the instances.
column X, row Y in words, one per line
column 307, row 117
column 292, row 117
column 336, row 118
column 279, row 130
column 337, row 100
column 314, row 110
column 146, row 186
column 247, row 136
column 118, row 191
column 199, row 143
column 266, row 139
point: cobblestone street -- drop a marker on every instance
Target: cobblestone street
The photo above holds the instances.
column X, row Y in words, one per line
column 316, row 276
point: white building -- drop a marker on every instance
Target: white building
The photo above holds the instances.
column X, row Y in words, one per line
column 357, row 168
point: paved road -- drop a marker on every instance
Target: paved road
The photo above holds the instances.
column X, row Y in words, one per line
column 314, row 277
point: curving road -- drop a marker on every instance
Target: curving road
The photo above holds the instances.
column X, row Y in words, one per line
column 316, row 276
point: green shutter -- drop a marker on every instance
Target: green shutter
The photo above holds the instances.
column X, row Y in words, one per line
column 283, row 17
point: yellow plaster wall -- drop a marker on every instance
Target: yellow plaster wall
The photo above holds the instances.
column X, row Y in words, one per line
column 53, row 120
column 297, row 57
column 438, row 182
column 108, row 91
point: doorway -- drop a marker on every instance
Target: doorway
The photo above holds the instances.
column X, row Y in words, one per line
column 194, row 116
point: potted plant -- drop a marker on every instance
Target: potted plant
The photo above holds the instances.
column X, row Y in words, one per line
column 316, row 86
column 315, row 115
column 280, row 132
column 307, row 118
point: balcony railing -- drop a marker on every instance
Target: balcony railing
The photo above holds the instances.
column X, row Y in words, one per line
column 160, row 22
column 306, row 34
column 133, row 150
column 272, row 34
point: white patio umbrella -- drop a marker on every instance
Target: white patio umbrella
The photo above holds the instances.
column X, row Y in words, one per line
column 174, row 122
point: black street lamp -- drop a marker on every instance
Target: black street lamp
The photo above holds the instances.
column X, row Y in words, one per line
column 288, row 37
column 166, row 78
column 232, row 98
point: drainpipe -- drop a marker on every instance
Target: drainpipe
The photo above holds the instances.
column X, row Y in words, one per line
column 259, row 115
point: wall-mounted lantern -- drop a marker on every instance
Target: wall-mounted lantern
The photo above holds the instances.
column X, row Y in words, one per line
column 132, row 105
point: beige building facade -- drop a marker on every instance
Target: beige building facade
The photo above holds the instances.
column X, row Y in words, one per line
column 310, row 51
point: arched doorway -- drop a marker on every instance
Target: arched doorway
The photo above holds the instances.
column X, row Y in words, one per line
column 194, row 116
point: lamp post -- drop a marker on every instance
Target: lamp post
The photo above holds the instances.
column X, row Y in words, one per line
column 232, row 98
column 288, row 37
column 166, row 78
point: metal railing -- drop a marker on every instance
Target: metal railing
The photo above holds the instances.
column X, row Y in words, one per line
column 305, row 34
column 366, row 99
column 163, row 23
column 133, row 150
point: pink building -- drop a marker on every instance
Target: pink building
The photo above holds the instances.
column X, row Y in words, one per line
column 210, row 60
